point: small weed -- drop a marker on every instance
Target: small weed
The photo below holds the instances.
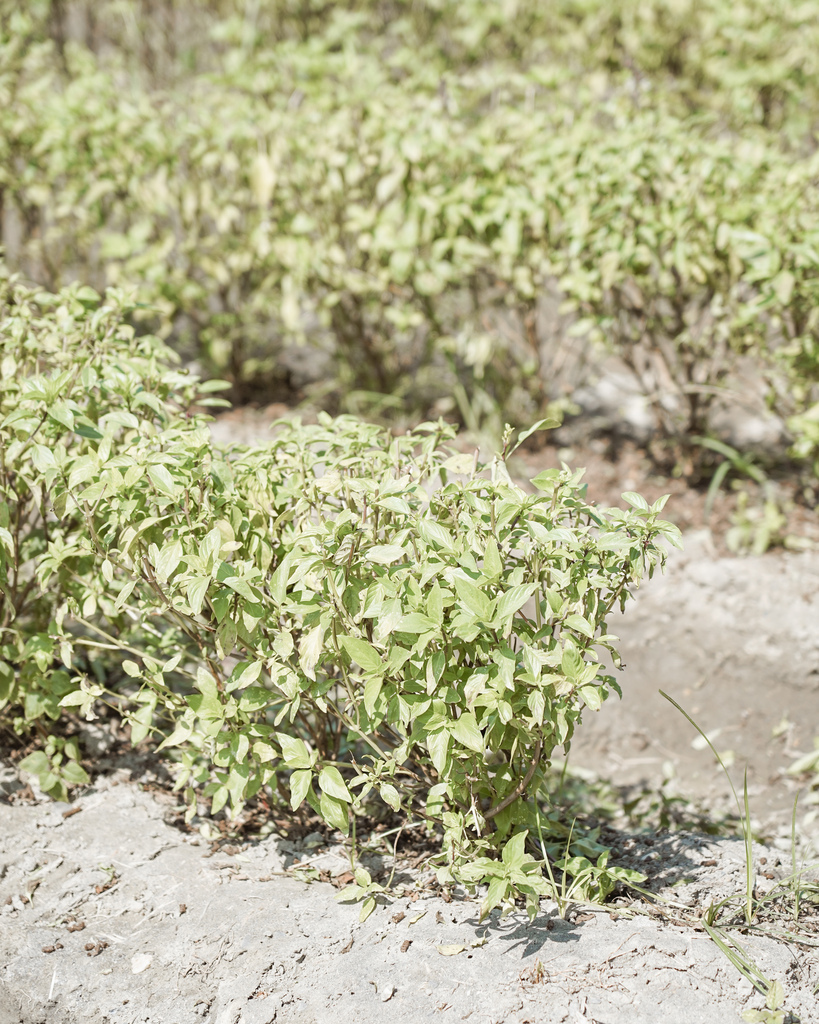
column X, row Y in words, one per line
column 733, row 460
column 756, row 527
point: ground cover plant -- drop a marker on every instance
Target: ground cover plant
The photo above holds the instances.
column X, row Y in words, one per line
column 339, row 615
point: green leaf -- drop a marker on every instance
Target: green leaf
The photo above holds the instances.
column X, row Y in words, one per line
column 241, row 586
column 76, row 698
column 367, row 907
column 36, row 763
column 465, row 730
column 60, row 413
column 86, row 294
column 331, row 782
column 496, row 893
column 89, row 431
column 635, row 500
column 580, row 625
column 546, row 480
column 196, row 590
column 474, row 599
column 74, row 774
column 514, row 852
column 93, row 493
column 43, row 458
column 415, row 622
column 124, row 594
column 591, row 697
column 244, row 674
column 783, row 286
column 255, row 698
column 372, row 690
column 363, row 878
column 85, row 468
column 435, row 534
column 219, row 799
column 237, row 782
column 363, row 653
column 572, row 664
column 168, row 561
column 162, row 479
column 310, row 650
column 438, row 746
column 615, row 541
column 181, row 733
column 389, row 794
column 141, row 722
column 386, row 554
column 435, row 604
column 550, row 423
column 395, row 504
column 776, row 995
column 280, row 579
column 334, row 812
column 294, row 751
column 513, row 600
column 461, row 464
column 299, row 784
column 492, row 565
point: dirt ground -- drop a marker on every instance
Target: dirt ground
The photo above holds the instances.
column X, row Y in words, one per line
column 110, row 914
column 735, row 642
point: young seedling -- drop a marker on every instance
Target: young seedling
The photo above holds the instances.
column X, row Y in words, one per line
column 561, row 896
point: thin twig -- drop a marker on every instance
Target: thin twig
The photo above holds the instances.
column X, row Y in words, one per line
column 520, row 788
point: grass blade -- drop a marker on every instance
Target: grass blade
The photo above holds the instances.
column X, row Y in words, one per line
column 749, row 853
column 796, row 878
column 745, row 817
column 739, row 958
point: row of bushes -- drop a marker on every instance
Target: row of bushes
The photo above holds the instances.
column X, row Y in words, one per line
column 747, row 63
column 327, row 212
column 341, row 616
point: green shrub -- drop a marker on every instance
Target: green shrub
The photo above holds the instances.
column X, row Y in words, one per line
column 364, row 220
column 749, row 62
column 72, row 376
column 340, row 614
column 368, row 205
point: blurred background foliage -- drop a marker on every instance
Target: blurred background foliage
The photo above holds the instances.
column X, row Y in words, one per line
column 447, row 208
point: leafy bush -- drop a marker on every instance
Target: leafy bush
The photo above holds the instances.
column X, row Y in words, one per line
column 72, row 376
column 339, row 614
column 362, row 220
column 750, row 62
column 368, row 204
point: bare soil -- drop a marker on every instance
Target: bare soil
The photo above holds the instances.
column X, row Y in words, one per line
column 112, row 916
